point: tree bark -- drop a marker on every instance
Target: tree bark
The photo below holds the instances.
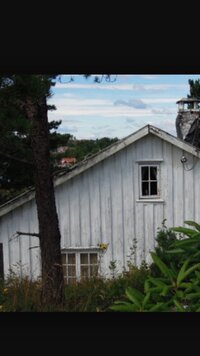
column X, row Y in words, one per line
column 49, row 233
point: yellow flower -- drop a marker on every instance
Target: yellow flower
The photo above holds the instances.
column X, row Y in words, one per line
column 5, row 290
column 103, row 246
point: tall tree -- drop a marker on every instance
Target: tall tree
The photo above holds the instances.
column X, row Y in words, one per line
column 27, row 95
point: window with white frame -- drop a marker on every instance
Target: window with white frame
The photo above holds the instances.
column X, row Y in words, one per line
column 149, row 181
column 79, row 265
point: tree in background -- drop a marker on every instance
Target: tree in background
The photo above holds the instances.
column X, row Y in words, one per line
column 194, row 88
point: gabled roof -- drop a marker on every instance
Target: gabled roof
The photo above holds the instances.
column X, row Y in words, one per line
column 62, row 177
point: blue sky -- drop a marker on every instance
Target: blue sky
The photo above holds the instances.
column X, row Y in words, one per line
column 90, row 110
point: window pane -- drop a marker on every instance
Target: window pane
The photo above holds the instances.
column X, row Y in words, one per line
column 84, row 271
column 71, row 259
column 145, row 188
column 93, row 271
column 153, row 188
column 93, row 258
column 64, row 271
column 145, row 175
column 153, row 173
column 71, row 271
column 63, row 259
column 84, row 258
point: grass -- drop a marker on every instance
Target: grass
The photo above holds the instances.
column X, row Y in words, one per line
column 94, row 295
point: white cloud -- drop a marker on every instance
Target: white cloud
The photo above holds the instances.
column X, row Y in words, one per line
column 129, row 87
column 159, row 100
column 72, row 107
column 78, row 101
column 95, row 86
column 158, row 87
column 163, row 111
column 134, row 103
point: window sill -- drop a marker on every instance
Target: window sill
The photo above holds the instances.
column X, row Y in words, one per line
column 150, row 201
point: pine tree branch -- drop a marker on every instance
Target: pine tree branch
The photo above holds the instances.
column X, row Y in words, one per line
column 6, row 155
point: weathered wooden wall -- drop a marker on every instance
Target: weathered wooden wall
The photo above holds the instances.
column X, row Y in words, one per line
column 101, row 205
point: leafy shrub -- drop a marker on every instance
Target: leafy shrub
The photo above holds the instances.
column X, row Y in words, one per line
column 174, row 284
column 164, row 239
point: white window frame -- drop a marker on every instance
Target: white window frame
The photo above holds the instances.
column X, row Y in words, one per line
column 149, row 164
column 78, row 264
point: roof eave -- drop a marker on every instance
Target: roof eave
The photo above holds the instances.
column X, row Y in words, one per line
column 187, row 147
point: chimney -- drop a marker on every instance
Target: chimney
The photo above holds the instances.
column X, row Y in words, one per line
column 188, row 120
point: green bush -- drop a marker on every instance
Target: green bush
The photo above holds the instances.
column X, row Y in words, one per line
column 164, row 239
column 174, row 284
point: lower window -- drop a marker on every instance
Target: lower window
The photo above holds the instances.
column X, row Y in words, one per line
column 79, row 265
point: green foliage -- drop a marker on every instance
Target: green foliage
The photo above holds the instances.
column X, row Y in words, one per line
column 194, row 88
column 173, row 283
column 164, row 240
column 137, row 302
column 83, row 149
column 16, row 169
column 90, row 295
column 18, row 294
column 169, row 292
column 189, row 244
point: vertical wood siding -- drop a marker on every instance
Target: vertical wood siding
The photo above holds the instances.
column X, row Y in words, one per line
column 101, row 205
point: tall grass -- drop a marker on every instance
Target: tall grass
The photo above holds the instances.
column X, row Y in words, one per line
column 92, row 295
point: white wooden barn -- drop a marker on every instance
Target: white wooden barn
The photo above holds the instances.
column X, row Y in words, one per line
column 118, row 195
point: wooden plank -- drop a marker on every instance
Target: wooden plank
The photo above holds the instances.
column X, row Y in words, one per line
column 149, row 231
column 105, row 228
column 95, row 209
column 24, row 242
column 157, row 147
column 128, row 204
column 34, row 244
column 6, row 244
column 178, row 201
column 63, row 204
column 75, row 218
column 83, row 186
column 15, row 263
column 188, row 189
column 117, row 211
column 140, row 233
column 158, row 217
column 167, row 184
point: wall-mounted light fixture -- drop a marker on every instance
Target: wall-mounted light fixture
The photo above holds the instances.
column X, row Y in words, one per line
column 183, row 159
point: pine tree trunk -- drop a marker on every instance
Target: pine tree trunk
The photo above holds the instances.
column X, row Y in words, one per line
column 52, row 274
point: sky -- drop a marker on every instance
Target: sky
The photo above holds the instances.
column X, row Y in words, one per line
column 118, row 108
